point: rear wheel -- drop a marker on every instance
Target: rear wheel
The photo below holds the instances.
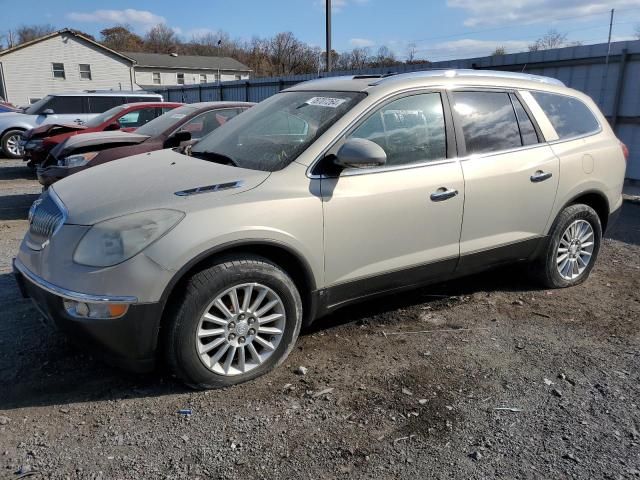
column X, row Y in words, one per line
column 571, row 249
column 237, row 320
column 11, row 144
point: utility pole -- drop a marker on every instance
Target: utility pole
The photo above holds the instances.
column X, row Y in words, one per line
column 328, row 31
column 605, row 74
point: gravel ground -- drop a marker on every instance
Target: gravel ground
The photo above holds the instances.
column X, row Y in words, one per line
column 510, row 382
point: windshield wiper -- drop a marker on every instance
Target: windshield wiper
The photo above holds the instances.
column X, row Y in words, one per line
column 214, row 157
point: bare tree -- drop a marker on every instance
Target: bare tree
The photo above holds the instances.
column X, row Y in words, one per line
column 121, row 38
column 637, row 32
column 384, row 57
column 551, row 39
column 161, row 39
column 411, row 52
column 26, row 33
column 500, row 50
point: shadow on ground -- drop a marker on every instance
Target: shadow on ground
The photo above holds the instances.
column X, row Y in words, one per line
column 16, row 207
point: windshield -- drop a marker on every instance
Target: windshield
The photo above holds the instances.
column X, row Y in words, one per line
column 34, row 108
column 274, row 133
column 103, row 117
column 166, row 121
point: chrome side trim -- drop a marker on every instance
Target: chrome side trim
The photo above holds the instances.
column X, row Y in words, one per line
column 69, row 294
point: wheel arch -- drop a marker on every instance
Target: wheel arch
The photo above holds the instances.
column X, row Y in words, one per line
column 19, row 128
column 596, row 200
column 284, row 256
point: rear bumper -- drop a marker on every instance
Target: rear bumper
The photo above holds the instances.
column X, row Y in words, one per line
column 128, row 342
column 613, row 218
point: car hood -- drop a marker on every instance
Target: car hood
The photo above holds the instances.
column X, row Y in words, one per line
column 11, row 118
column 101, row 139
column 159, row 179
column 51, row 129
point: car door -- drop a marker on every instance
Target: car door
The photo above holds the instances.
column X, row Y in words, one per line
column 511, row 177
column 136, row 118
column 64, row 108
column 399, row 224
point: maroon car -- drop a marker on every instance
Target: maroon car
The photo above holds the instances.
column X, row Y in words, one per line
column 39, row 141
column 181, row 126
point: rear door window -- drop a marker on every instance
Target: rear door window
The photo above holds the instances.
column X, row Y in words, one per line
column 102, row 104
column 487, row 120
column 569, row 116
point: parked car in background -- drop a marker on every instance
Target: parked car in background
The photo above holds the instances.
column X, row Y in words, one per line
column 328, row 193
column 38, row 141
column 78, row 107
column 185, row 124
column 4, row 108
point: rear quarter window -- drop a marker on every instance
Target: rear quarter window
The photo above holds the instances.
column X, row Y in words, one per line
column 568, row 115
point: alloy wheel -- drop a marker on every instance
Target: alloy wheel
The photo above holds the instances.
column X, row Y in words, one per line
column 240, row 329
column 13, row 145
column 575, row 249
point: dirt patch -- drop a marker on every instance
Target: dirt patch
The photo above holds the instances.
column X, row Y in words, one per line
column 512, row 382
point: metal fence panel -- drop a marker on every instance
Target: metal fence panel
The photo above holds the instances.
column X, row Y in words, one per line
column 580, row 67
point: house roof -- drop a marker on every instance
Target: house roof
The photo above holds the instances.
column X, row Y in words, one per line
column 67, row 31
column 195, row 62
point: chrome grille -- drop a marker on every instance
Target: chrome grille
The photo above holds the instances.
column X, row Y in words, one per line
column 45, row 218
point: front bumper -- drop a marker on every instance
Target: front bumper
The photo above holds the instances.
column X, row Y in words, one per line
column 128, row 342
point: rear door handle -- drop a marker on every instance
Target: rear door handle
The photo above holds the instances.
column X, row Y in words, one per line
column 443, row 194
column 541, row 176
column 79, row 121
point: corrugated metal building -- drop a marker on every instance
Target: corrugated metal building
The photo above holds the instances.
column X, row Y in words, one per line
column 613, row 83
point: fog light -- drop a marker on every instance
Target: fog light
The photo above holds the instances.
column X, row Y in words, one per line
column 95, row 310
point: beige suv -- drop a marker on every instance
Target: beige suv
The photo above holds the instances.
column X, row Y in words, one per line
column 328, row 193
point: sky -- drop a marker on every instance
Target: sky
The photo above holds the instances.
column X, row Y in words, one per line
column 439, row 29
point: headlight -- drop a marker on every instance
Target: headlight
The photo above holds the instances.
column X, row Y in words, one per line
column 118, row 239
column 77, row 160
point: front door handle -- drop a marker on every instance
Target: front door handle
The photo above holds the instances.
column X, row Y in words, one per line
column 541, row 176
column 79, row 121
column 443, row 194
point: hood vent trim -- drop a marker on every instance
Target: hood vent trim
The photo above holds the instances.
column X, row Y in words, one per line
column 210, row 188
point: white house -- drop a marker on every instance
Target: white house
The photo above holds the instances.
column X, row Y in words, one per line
column 62, row 61
column 153, row 70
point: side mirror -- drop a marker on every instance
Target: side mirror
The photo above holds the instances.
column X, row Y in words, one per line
column 360, row 153
column 48, row 111
column 177, row 138
column 113, row 126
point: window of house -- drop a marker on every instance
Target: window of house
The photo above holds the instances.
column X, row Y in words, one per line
column 488, row 121
column 180, row 78
column 156, row 78
column 409, row 130
column 58, row 70
column 569, row 116
column 238, row 77
column 203, row 78
column 85, row 71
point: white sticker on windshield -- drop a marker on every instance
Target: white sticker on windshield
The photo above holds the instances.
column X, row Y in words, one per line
column 178, row 115
column 326, row 102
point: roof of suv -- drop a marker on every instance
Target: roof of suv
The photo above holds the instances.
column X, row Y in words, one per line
column 362, row 83
column 107, row 93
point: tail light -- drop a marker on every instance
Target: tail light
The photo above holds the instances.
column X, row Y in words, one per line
column 625, row 151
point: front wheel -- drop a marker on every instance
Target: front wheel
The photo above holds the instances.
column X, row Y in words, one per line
column 10, row 143
column 571, row 249
column 237, row 320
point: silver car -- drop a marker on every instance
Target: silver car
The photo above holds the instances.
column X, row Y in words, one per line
column 61, row 108
column 328, row 193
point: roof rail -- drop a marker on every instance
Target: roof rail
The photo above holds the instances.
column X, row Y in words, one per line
column 477, row 73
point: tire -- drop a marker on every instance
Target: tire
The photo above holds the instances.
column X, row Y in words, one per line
column 8, row 146
column 185, row 349
column 547, row 268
